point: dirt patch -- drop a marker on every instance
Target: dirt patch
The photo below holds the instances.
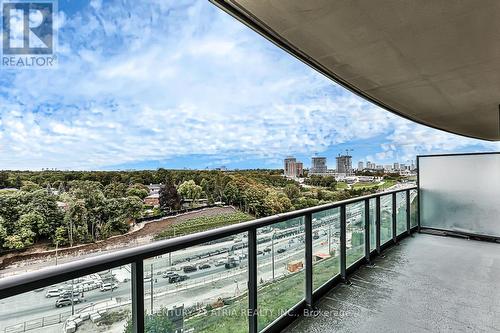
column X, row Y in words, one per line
column 142, row 233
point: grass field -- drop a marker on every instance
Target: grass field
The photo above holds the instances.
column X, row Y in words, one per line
column 203, row 223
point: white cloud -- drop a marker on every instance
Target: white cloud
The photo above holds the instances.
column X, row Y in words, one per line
column 173, row 79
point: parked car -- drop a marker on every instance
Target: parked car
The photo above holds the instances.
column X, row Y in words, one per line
column 188, row 269
column 204, row 266
column 65, row 301
column 178, row 278
column 53, row 293
column 108, row 286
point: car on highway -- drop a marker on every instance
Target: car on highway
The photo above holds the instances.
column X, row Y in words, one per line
column 189, row 269
column 177, row 278
column 220, row 263
column 65, row 301
column 147, row 279
column 53, row 293
column 259, row 252
column 281, row 250
column 204, row 266
column 168, row 274
column 67, row 293
column 267, row 249
column 108, row 286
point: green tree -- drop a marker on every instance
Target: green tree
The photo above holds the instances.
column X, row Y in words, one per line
column 292, row 191
column 3, row 231
column 29, row 186
column 4, row 179
column 61, row 236
column 115, row 190
column 189, row 190
column 32, row 221
column 91, row 193
column 44, row 206
column 23, row 238
column 76, row 221
column 138, row 190
column 231, row 193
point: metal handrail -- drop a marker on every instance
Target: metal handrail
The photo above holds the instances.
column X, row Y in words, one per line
column 14, row 285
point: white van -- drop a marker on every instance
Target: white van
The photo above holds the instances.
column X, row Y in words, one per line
column 53, row 293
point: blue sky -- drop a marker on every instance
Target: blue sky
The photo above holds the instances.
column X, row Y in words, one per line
column 180, row 84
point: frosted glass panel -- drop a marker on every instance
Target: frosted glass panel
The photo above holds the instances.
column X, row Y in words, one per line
column 461, row 193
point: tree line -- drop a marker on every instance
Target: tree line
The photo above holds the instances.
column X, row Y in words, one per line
column 81, row 211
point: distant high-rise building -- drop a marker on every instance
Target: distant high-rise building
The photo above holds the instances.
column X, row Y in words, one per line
column 360, row 165
column 344, row 164
column 396, row 166
column 299, row 169
column 318, row 165
column 293, row 168
column 290, row 166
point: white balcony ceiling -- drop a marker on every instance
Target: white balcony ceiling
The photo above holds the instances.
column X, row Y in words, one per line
column 436, row 62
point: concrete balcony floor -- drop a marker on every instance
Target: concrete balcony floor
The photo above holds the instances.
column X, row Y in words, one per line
column 426, row 284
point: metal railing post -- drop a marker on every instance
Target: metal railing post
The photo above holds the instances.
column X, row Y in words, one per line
column 377, row 223
column 408, row 222
column 343, row 242
column 394, row 219
column 309, row 259
column 419, row 201
column 367, row 230
column 137, row 273
column 252, row 281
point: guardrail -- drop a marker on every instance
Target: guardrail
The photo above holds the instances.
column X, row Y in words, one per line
column 37, row 323
column 15, row 285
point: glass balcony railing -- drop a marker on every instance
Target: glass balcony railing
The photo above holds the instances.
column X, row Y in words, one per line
column 249, row 277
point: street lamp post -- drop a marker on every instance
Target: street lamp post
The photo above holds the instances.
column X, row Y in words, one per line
column 272, row 252
column 329, row 239
column 57, row 245
column 151, row 276
column 72, row 300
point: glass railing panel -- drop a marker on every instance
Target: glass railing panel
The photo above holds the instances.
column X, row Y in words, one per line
column 355, row 232
column 413, row 208
column 281, row 269
column 373, row 226
column 101, row 300
column 201, row 288
column 400, row 213
column 385, row 218
column 326, row 246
